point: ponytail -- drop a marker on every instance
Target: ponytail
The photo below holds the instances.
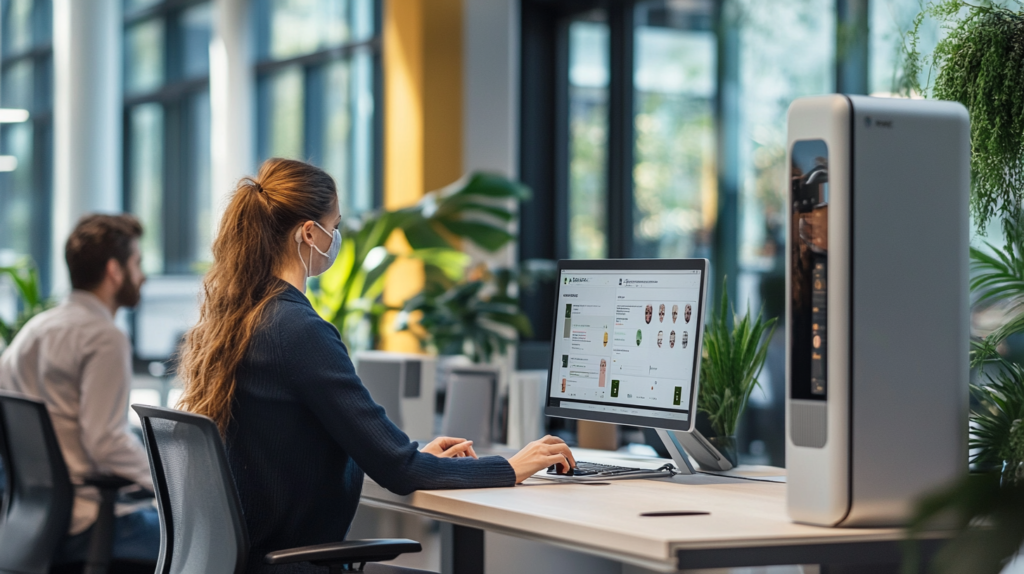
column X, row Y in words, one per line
column 250, row 249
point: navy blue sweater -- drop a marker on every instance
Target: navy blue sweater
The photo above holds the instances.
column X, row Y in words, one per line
column 303, row 431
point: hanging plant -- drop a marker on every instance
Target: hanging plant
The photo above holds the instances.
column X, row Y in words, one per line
column 980, row 63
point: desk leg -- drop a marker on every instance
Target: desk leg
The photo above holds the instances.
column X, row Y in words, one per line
column 462, row 549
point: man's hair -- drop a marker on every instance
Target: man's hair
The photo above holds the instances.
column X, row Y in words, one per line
column 95, row 240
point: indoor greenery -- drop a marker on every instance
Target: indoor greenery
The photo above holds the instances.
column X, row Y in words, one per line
column 979, row 63
column 25, row 277
column 477, row 316
column 994, row 494
column 477, row 209
column 734, row 352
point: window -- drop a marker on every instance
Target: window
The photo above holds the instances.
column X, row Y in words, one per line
column 675, row 83
column 317, row 96
column 657, row 128
column 785, row 51
column 167, row 131
column 26, row 82
column 890, row 20
column 588, row 136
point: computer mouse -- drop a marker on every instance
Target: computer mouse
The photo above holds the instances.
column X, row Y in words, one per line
column 560, row 469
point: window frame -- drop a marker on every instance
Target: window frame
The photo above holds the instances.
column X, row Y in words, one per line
column 544, row 134
column 312, row 65
column 180, row 226
column 40, row 54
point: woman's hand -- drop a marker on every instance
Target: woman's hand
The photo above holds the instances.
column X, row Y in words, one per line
column 540, row 454
column 448, row 447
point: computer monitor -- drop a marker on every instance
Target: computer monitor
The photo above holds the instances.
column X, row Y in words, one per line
column 626, row 345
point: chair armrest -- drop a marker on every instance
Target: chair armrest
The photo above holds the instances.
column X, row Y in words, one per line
column 349, row 552
column 107, row 481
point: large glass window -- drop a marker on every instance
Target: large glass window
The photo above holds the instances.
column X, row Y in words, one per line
column 674, row 81
column 26, row 82
column 889, row 22
column 167, row 131
column 316, row 93
column 588, row 136
column 786, row 50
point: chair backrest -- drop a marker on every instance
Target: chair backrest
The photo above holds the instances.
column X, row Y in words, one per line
column 36, row 509
column 470, row 405
column 201, row 523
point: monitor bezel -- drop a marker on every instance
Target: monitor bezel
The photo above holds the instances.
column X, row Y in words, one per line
column 702, row 265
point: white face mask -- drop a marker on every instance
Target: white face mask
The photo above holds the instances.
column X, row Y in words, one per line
column 331, row 255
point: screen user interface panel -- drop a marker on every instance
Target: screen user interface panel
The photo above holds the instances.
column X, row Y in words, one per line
column 626, row 343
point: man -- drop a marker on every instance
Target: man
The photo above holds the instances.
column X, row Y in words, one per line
column 661, row 336
column 76, row 360
column 687, row 311
column 675, row 313
column 648, row 313
column 661, row 313
column 672, row 340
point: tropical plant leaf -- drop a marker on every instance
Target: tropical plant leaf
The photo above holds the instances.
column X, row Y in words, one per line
column 485, row 235
column 350, row 293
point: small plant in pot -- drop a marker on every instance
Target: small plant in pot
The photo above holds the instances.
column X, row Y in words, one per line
column 735, row 349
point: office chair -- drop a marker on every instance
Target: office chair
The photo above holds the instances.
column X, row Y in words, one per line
column 201, row 524
column 35, row 512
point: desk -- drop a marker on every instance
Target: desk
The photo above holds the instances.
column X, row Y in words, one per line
column 747, row 524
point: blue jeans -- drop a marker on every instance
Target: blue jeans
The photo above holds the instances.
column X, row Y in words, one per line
column 136, row 537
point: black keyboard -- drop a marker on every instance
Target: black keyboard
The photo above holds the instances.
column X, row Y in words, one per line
column 599, row 470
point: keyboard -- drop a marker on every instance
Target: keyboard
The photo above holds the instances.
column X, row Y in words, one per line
column 595, row 471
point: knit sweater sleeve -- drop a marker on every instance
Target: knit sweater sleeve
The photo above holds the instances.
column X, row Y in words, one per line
column 317, row 367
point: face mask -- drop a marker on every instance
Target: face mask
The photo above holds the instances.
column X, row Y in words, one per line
column 331, row 255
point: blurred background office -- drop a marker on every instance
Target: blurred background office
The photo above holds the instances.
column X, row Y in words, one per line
column 650, row 128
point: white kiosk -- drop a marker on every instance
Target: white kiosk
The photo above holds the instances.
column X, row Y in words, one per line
column 877, row 311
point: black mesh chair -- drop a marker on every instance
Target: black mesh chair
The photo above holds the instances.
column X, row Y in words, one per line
column 35, row 512
column 201, row 525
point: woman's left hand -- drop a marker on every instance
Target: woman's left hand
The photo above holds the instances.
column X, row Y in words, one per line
column 448, row 447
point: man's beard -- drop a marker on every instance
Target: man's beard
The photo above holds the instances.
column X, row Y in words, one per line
column 129, row 293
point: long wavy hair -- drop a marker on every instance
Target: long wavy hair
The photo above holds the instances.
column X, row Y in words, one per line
column 256, row 236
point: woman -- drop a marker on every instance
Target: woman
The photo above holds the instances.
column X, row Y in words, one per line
column 299, row 426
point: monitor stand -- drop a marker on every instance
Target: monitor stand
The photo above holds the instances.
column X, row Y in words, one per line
column 681, row 443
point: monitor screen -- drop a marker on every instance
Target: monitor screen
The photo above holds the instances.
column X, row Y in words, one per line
column 627, row 341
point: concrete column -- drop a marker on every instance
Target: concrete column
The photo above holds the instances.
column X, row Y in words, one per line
column 232, row 95
column 491, row 86
column 87, row 118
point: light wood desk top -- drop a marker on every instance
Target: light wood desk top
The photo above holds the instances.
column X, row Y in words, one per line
column 605, row 519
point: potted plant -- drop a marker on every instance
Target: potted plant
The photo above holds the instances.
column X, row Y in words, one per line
column 476, row 317
column 980, row 63
column 475, row 209
column 735, row 349
column 25, row 277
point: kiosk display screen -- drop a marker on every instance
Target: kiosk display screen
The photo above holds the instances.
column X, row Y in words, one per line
column 809, row 261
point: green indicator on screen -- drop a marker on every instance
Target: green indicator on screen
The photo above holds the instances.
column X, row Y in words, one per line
column 678, row 396
column 615, row 387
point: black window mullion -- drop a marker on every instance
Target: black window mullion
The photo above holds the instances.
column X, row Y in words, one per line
column 620, row 131
column 42, row 199
column 314, row 120
column 852, row 46
column 727, row 113
column 175, row 200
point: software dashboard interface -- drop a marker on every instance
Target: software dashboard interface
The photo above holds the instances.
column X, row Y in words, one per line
column 626, row 342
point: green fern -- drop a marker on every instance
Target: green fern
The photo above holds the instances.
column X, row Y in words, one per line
column 980, row 63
